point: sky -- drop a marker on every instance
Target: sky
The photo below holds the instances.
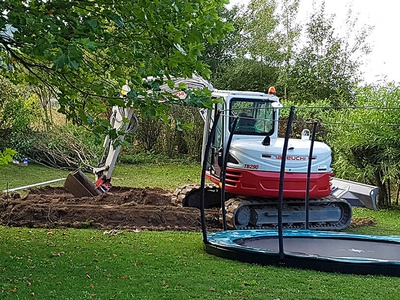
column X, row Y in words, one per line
column 383, row 63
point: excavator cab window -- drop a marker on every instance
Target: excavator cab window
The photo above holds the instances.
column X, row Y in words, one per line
column 246, row 124
column 255, row 116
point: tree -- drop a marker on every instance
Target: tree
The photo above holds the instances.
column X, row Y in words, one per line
column 260, row 33
column 225, row 50
column 85, row 50
column 16, row 112
column 245, row 74
column 289, row 39
column 327, row 67
column 246, row 58
column 305, row 66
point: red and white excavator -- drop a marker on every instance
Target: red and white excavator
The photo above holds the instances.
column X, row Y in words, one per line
column 252, row 176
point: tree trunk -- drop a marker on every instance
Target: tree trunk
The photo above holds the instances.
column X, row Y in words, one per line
column 382, row 199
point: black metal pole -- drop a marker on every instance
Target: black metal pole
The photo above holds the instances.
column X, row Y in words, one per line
column 310, row 155
column 281, row 183
column 203, row 177
column 223, row 171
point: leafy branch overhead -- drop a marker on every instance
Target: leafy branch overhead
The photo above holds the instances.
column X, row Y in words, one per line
column 84, row 51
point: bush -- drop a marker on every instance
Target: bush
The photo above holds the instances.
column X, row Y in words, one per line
column 69, row 147
column 180, row 137
column 17, row 114
column 7, row 156
column 366, row 140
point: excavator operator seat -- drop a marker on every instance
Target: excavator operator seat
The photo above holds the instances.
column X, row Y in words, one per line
column 246, row 124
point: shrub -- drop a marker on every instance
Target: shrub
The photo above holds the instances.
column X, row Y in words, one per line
column 7, row 156
column 69, row 147
column 181, row 136
column 17, row 114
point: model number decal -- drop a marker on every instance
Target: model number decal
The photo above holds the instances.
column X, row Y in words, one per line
column 252, row 167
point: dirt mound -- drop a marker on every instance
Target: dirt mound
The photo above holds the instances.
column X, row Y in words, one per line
column 360, row 222
column 121, row 208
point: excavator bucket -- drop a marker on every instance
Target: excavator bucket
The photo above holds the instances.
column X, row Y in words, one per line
column 80, row 186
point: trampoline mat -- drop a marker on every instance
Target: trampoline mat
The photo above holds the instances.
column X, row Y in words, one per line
column 327, row 247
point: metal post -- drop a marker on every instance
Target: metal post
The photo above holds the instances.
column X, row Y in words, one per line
column 31, row 185
column 223, row 171
column 281, row 183
column 203, row 178
column 307, row 208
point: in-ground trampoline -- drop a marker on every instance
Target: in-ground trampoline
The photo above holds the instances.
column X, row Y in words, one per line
column 317, row 250
column 324, row 251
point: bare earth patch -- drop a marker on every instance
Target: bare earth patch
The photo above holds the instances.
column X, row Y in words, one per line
column 121, row 208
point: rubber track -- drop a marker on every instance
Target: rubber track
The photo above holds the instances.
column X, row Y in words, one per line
column 233, row 204
column 180, row 194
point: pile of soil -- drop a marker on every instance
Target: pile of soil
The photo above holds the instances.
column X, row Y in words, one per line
column 121, row 208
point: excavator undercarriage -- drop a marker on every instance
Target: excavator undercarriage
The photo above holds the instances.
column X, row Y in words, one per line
column 329, row 213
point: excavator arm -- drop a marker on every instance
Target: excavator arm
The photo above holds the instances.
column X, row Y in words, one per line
column 123, row 121
column 104, row 172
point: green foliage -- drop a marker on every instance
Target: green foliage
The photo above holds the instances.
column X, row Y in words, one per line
column 248, row 58
column 365, row 138
column 15, row 110
column 289, row 39
column 6, row 156
column 260, row 32
column 84, row 51
column 244, row 74
column 180, row 135
column 268, row 48
column 18, row 114
column 224, row 51
column 304, row 118
column 68, row 147
column 327, row 67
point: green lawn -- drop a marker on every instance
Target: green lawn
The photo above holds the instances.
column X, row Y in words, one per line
column 87, row 264
column 163, row 175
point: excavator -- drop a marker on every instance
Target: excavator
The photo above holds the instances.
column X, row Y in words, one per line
column 248, row 124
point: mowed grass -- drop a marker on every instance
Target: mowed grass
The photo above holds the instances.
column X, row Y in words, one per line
column 168, row 176
column 88, row 264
